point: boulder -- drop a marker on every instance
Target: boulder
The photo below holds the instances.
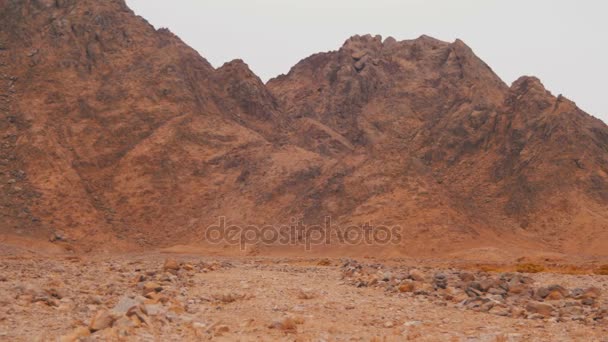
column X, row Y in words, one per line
column 103, row 319
column 416, row 275
column 171, row 265
column 543, row 309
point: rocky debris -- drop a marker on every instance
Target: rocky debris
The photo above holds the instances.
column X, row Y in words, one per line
column 150, row 287
column 440, row 281
column 287, row 324
column 305, row 293
column 416, row 275
column 228, row 297
column 57, row 236
column 103, row 319
column 501, row 294
column 171, row 265
column 259, row 297
column 76, row 335
column 543, row 309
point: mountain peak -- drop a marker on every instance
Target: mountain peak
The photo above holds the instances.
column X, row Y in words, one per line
column 112, row 126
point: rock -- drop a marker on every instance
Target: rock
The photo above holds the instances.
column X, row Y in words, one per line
column 500, row 310
column 57, row 235
column 412, row 323
column 305, row 293
column 475, row 285
column 124, row 304
column 221, row 329
column 357, row 55
column 124, row 322
column 287, row 324
column 76, row 335
column 591, row 293
column 137, row 315
column 576, row 293
column 440, row 280
column 517, row 312
column 407, row 286
column 416, row 275
column 151, row 287
column 154, row 309
column 55, row 292
column 558, row 288
column 171, row 265
column 542, row 309
column 486, row 284
column 472, row 292
column 466, row 277
column 424, row 289
column 555, row 295
column 487, row 306
column 389, row 324
column 102, row 320
column 541, row 293
column 588, row 301
column 94, row 299
column 520, row 289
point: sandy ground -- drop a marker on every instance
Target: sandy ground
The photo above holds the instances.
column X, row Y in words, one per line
column 160, row 296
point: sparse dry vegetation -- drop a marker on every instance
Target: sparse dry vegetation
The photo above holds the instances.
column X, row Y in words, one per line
column 530, row 268
column 602, row 270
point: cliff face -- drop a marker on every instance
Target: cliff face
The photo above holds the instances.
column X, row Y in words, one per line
column 114, row 131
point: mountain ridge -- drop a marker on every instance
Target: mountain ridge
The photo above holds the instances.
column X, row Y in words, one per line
column 121, row 136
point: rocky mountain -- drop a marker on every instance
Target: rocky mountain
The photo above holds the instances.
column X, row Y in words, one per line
column 120, row 135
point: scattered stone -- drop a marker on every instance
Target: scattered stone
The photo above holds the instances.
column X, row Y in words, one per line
column 76, row 335
column 466, row 277
column 102, row 320
column 171, row 265
column 407, row 286
column 543, row 309
column 287, row 325
column 228, row 297
column 154, row 309
column 124, row 305
column 588, row 301
column 151, row 287
column 221, row 329
column 440, row 281
column 416, row 275
column 591, row 293
column 304, row 293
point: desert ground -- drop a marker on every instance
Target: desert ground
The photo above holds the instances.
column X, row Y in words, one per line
column 163, row 296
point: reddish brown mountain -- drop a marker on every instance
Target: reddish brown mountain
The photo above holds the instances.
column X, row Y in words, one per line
column 114, row 131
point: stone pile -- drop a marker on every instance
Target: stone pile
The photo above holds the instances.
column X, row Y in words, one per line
column 505, row 294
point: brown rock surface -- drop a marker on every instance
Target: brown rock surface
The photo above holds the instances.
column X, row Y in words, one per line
column 121, row 136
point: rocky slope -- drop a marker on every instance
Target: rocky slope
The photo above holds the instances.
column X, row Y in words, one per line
column 113, row 131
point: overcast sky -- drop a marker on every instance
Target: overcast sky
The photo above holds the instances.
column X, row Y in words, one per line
column 564, row 43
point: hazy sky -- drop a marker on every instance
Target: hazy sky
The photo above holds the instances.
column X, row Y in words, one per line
column 564, row 43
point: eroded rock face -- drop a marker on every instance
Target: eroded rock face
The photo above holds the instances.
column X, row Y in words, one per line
column 114, row 131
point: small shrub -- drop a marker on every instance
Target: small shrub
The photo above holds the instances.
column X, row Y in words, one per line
column 602, row 270
column 529, row 268
column 324, row 262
